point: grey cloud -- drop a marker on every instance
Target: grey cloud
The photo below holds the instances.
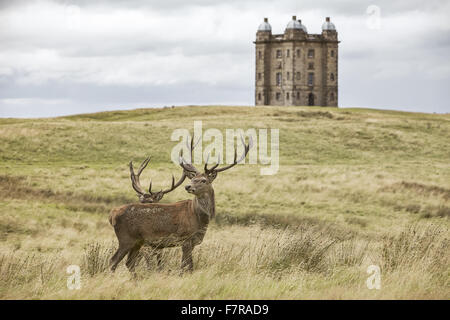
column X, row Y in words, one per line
column 346, row 7
column 208, row 57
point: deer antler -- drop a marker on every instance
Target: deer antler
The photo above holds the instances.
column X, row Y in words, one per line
column 214, row 169
column 173, row 186
column 150, row 197
column 188, row 167
column 135, row 178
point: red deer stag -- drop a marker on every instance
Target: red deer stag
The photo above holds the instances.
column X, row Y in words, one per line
column 183, row 223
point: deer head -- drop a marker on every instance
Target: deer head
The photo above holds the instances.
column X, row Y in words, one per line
column 201, row 181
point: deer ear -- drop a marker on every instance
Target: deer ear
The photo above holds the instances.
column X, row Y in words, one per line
column 212, row 176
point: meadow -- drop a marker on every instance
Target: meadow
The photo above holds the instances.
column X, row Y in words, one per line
column 355, row 187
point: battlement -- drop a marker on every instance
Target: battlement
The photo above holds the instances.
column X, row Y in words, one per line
column 309, row 37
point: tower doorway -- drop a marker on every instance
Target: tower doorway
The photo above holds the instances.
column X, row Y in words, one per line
column 310, row 99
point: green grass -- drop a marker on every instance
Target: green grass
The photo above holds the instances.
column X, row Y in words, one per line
column 355, row 187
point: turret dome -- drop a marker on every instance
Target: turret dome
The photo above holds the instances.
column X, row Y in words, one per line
column 296, row 24
column 303, row 26
column 328, row 25
column 265, row 26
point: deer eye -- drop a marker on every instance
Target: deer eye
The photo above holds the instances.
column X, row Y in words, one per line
column 203, row 181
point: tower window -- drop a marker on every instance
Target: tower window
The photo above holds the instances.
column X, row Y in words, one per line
column 310, row 79
column 288, row 52
column 298, row 52
column 332, row 96
column 298, row 94
column 311, row 66
column 259, row 55
column 259, row 96
column 278, row 95
column 311, row 53
column 298, row 75
column 259, row 75
column 278, row 78
column 278, row 53
column 332, row 53
column 287, row 95
column 332, row 77
column 287, row 76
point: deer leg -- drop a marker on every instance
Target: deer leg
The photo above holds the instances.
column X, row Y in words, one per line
column 120, row 254
column 159, row 259
column 148, row 259
column 138, row 258
column 132, row 257
column 186, row 260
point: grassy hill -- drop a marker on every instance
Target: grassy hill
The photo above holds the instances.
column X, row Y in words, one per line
column 356, row 187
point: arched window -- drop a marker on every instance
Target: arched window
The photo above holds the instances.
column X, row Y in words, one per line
column 332, row 96
column 298, row 75
column 259, row 96
column 287, row 96
column 332, row 53
column 332, row 77
column 298, row 94
column 259, row 55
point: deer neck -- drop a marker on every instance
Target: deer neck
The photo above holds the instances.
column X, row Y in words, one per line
column 205, row 206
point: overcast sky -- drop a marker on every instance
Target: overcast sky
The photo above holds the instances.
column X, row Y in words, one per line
column 66, row 57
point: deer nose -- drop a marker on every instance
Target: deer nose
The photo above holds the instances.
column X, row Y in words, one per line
column 187, row 187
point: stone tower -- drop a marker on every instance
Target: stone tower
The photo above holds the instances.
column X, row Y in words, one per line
column 296, row 68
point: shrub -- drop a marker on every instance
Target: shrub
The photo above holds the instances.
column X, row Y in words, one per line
column 305, row 250
column 417, row 246
column 96, row 257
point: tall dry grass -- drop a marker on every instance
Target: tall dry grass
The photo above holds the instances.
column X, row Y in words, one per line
column 422, row 247
column 355, row 188
column 312, row 257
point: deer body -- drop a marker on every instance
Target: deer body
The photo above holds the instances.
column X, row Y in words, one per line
column 153, row 221
column 159, row 226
